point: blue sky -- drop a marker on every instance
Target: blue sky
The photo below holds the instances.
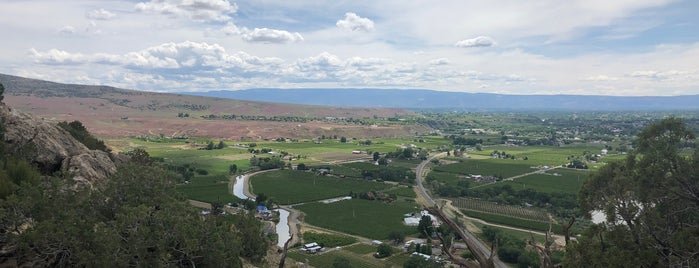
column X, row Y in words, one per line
column 592, row 47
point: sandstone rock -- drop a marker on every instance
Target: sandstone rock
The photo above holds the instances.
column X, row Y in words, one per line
column 53, row 149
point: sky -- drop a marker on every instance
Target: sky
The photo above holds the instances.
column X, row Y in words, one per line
column 587, row 47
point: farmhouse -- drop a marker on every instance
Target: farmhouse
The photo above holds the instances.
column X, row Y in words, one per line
column 311, row 248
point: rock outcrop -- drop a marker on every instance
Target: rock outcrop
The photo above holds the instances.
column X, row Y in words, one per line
column 53, row 149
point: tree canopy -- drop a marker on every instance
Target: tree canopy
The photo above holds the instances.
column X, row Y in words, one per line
column 651, row 200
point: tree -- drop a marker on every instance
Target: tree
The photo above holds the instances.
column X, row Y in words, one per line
column 383, row 161
column 420, row 262
column 341, row 262
column 396, row 236
column 140, row 157
column 651, row 200
column 343, row 139
column 210, row 146
column 301, row 166
column 424, row 227
column 2, row 92
column 232, row 169
column 220, row 145
column 384, row 250
column 376, row 156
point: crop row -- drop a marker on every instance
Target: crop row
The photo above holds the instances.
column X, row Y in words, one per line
column 506, row 210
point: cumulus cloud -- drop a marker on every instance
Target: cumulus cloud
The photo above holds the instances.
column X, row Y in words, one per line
column 55, row 56
column 353, row 22
column 266, row 35
column 197, row 10
column 67, row 30
column 190, row 55
column 480, row 41
column 231, row 29
column 440, row 61
column 100, row 14
column 601, row 77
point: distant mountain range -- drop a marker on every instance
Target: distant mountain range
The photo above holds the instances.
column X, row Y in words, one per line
column 431, row 99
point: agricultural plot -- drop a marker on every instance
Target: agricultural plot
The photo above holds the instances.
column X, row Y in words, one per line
column 553, row 181
column 494, row 208
column 543, row 155
column 402, row 191
column 211, row 184
column 291, row 187
column 512, row 221
column 371, row 219
column 328, row 240
column 489, row 167
column 327, row 259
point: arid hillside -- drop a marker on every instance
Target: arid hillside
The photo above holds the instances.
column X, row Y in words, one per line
column 112, row 112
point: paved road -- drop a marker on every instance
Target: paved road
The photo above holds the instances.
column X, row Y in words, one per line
column 429, row 202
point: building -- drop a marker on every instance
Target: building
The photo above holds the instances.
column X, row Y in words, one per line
column 311, row 248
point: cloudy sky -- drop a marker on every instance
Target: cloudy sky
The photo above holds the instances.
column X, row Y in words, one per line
column 600, row 47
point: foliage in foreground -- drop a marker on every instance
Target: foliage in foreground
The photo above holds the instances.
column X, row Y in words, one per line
column 135, row 219
column 651, row 201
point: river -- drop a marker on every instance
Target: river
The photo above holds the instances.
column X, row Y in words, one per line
column 239, row 186
column 283, row 227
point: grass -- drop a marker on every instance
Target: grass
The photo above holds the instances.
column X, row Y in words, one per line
column 569, row 181
column 515, row 233
column 543, row 155
column 361, row 249
column 327, row 259
column 371, row 219
column 328, row 240
column 488, row 167
column 402, row 191
column 515, row 222
column 291, row 187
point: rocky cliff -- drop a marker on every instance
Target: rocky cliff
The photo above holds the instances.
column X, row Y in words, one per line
column 52, row 149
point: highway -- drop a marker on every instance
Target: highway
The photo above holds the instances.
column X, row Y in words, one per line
column 469, row 238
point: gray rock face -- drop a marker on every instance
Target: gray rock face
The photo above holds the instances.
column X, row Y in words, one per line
column 53, row 149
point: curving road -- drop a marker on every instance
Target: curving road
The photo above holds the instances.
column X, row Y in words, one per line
column 429, row 202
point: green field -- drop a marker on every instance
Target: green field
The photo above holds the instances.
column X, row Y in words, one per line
column 515, row 222
column 488, row 167
column 328, row 240
column 361, row 248
column 402, row 191
column 326, row 259
column 566, row 181
column 543, row 155
column 291, row 186
column 371, row 219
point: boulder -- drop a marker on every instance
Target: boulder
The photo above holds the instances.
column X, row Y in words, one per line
column 52, row 149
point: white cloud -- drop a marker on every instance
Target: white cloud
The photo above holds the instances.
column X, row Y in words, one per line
column 187, row 55
column 231, row 29
column 67, row 30
column 601, row 77
column 266, row 35
column 197, row 10
column 100, row 14
column 55, row 56
column 354, row 22
column 440, row 61
column 480, row 41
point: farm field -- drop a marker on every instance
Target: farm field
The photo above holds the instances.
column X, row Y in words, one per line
column 326, row 259
column 512, row 221
column 565, row 181
column 505, row 210
column 488, row 167
column 371, row 219
column 543, row 155
column 291, row 187
column 402, row 191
